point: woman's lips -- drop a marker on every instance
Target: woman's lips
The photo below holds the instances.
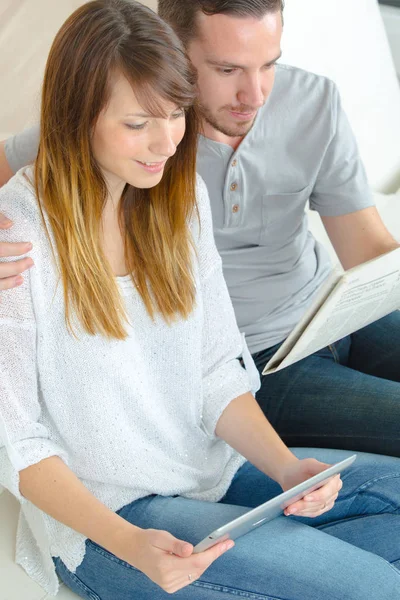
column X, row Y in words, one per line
column 151, row 167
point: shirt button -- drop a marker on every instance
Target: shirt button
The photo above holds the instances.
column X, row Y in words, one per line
column 234, row 187
column 235, row 208
column 234, row 163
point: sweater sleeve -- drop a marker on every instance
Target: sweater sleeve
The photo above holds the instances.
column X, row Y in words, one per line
column 224, row 377
column 24, row 441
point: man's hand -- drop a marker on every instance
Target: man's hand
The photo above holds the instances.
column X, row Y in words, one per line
column 320, row 500
column 10, row 272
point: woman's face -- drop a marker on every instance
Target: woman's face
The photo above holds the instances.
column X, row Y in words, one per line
column 130, row 145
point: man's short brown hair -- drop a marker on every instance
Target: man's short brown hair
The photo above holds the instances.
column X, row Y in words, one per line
column 182, row 14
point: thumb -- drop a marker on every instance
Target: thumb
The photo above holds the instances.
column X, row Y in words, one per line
column 182, row 549
column 175, row 546
column 216, row 551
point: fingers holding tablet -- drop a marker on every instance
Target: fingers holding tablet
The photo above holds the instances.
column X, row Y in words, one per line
column 307, row 478
column 318, row 502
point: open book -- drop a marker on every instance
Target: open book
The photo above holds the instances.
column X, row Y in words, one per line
column 347, row 301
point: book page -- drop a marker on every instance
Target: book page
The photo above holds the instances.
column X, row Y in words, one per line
column 362, row 295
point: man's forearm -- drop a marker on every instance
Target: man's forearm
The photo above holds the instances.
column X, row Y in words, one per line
column 359, row 237
column 5, row 169
column 54, row 488
column 244, row 427
column 369, row 254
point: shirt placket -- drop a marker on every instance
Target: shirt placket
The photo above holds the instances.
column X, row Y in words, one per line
column 233, row 195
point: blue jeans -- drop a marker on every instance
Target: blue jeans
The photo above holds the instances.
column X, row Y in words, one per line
column 350, row 553
column 344, row 396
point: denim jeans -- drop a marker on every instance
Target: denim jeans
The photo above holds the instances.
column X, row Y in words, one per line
column 344, row 396
column 350, row 553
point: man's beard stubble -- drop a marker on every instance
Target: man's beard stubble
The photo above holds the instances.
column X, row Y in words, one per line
column 240, row 130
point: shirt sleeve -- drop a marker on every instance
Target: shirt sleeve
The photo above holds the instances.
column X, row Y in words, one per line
column 341, row 186
column 22, row 149
column 24, row 441
column 224, row 377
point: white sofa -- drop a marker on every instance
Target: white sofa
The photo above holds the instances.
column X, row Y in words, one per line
column 342, row 39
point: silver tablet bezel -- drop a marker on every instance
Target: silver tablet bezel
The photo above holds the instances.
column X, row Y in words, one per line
column 260, row 515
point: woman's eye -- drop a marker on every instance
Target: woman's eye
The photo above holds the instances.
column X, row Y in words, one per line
column 227, row 71
column 135, row 127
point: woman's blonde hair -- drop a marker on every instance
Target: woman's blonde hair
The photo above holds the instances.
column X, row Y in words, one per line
column 101, row 38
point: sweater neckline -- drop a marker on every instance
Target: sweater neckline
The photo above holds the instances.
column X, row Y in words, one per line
column 124, row 281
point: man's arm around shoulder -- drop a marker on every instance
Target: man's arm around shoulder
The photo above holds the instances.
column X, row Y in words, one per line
column 10, row 272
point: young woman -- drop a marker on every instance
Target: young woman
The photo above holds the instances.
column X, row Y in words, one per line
column 125, row 414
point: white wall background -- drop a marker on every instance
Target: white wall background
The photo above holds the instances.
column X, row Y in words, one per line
column 391, row 19
column 27, row 29
column 344, row 39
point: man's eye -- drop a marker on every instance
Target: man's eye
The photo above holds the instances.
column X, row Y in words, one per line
column 227, row 71
column 179, row 114
column 135, row 127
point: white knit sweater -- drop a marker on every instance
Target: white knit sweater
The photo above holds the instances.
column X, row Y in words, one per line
column 130, row 418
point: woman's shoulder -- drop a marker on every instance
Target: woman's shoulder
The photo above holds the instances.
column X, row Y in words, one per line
column 18, row 202
column 203, row 203
column 202, row 230
column 201, row 191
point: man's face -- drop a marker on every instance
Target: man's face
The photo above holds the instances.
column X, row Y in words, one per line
column 235, row 59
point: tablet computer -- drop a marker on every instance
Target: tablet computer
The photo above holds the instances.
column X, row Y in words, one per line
column 269, row 510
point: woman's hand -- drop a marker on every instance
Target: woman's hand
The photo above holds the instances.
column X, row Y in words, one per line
column 10, row 272
column 56, row 490
column 317, row 502
column 169, row 562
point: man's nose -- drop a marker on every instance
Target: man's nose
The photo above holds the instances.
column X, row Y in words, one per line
column 252, row 93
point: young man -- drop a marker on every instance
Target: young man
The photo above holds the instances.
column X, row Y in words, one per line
column 273, row 138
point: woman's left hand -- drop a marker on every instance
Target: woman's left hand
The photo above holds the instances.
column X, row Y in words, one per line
column 320, row 500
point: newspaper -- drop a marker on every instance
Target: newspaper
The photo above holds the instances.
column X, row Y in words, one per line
column 348, row 301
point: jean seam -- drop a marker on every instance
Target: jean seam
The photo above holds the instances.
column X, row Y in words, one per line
column 365, row 486
column 395, row 569
column 334, row 353
column 381, row 478
column 223, row 589
column 79, row 584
